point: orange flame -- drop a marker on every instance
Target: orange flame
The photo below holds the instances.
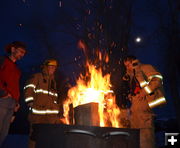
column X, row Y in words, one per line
column 94, row 87
column 106, row 58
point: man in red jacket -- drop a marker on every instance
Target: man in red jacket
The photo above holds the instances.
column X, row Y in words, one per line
column 9, row 85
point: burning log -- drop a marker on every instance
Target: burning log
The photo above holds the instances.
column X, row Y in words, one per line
column 87, row 114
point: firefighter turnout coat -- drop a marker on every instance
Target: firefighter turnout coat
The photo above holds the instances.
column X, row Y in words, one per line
column 41, row 96
column 150, row 81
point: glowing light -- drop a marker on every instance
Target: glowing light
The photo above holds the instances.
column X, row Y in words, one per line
column 60, row 4
column 95, row 87
column 138, row 39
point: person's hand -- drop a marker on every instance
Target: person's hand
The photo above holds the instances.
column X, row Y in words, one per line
column 7, row 96
column 12, row 119
column 140, row 95
column 130, row 97
column 16, row 108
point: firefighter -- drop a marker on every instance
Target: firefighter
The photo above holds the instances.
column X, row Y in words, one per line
column 146, row 92
column 41, row 97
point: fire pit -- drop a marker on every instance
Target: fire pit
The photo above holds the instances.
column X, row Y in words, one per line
column 91, row 115
column 76, row 136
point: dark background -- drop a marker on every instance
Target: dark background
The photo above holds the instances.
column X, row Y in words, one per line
column 52, row 29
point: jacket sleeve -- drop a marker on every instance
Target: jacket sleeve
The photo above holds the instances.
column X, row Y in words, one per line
column 3, row 92
column 152, row 82
column 29, row 89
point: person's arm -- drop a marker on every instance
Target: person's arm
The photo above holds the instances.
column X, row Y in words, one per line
column 154, row 81
column 29, row 90
column 3, row 92
column 16, row 108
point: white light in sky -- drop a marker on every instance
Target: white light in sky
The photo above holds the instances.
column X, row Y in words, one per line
column 60, row 3
column 138, row 39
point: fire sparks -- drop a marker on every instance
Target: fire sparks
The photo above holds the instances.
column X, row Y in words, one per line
column 81, row 45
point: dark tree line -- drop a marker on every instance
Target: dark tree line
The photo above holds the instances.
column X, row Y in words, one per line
column 174, row 55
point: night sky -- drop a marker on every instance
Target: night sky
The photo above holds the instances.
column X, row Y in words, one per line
column 53, row 29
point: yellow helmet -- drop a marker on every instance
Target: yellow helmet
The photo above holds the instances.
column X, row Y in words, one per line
column 50, row 62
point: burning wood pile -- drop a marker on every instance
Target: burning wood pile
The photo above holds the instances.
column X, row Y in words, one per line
column 92, row 99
